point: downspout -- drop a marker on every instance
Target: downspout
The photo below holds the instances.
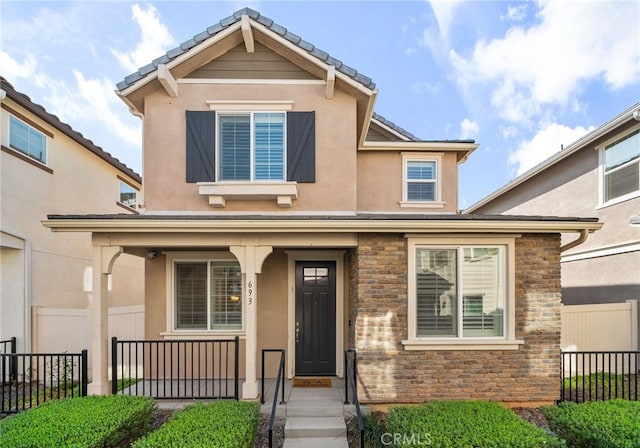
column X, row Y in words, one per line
column 584, row 234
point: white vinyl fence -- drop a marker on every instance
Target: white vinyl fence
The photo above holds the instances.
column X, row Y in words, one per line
column 611, row 327
column 57, row 330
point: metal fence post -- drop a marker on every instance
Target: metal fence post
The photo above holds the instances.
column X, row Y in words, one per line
column 84, row 368
column 13, row 362
column 114, row 365
column 236, row 367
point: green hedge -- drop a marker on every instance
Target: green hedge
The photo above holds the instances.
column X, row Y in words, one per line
column 598, row 424
column 465, row 424
column 219, row 424
column 82, row 422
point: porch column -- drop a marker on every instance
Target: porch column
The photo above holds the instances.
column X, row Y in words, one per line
column 103, row 259
column 251, row 258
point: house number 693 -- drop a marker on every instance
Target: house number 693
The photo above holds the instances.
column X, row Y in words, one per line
column 250, row 292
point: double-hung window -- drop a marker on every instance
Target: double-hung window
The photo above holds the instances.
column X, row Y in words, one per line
column 251, row 147
column 461, row 293
column 621, row 168
column 27, row 140
column 421, row 180
column 208, row 295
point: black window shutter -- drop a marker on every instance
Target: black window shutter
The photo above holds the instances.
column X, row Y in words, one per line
column 201, row 129
column 301, row 146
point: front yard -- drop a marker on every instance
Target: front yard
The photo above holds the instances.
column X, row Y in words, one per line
column 124, row 421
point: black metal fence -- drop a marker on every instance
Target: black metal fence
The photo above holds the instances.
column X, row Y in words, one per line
column 205, row 369
column 39, row 377
column 279, row 379
column 8, row 368
column 600, row 375
column 351, row 381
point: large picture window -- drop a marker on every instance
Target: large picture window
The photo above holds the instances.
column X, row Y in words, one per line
column 621, row 166
column 208, row 295
column 252, row 147
column 27, row 140
column 460, row 292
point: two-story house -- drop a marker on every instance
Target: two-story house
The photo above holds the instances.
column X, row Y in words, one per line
column 597, row 175
column 279, row 208
column 47, row 167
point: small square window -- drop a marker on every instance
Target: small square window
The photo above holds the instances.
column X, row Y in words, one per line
column 421, row 183
column 27, row 140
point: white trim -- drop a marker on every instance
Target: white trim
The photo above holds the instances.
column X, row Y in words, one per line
column 601, row 174
column 250, row 106
column 390, row 130
column 247, row 33
column 311, row 82
column 464, row 344
column 171, row 257
column 605, row 251
column 167, row 81
column 505, row 342
column 44, row 162
column 436, row 158
column 218, row 192
column 315, row 255
column 419, row 146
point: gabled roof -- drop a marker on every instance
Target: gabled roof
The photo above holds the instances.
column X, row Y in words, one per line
column 40, row 112
column 633, row 113
column 227, row 22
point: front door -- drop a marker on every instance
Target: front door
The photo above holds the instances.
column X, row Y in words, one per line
column 315, row 325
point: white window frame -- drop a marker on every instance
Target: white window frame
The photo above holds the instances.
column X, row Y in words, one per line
column 251, row 115
column 122, row 182
column 430, row 157
column 506, row 342
column 26, row 154
column 602, row 203
column 172, row 332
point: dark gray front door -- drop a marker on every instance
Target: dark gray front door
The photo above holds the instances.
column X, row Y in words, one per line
column 315, row 326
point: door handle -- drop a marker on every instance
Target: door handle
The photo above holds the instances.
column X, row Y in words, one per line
column 297, row 332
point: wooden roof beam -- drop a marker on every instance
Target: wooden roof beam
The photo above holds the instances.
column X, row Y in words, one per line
column 247, row 33
column 167, row 81
column 331, row 81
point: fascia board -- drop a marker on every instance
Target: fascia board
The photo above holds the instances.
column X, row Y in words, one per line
column 316, row 226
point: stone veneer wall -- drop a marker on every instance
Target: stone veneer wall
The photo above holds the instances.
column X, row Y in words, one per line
column 388, row 373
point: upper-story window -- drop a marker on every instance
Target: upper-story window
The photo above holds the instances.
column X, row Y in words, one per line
column 27, row 140
column 421, row 181
column 621, row 168
column 128, row 195
column 251, row 147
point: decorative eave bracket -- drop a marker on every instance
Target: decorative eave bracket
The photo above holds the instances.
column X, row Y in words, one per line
column 167, row 81
column 331, row 81
column 247, row 33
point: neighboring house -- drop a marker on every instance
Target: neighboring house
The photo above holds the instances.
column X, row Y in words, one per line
column 278, row 207
column 48, row 167
column 598, row 175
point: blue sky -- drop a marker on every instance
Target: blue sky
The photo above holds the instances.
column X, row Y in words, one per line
column 522, row 78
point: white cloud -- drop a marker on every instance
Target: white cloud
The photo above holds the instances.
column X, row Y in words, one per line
column 421, row 88
column 550, row 62
column 515, row 13
column 507, row 132
column 409, row 51
column 444, row 11
column 12, row 69
column 468, row 129
column 543, row 145
column 91, row 100
column 155, row 40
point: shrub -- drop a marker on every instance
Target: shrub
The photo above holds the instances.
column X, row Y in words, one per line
column 598, row 424
column 219, row 424
column 82, row 422
column 601, row 385
column 453, row 424
column 373, row 425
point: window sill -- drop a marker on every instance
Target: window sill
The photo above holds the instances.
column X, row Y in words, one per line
column 209, row 335
column 422, row 204
column 26, row 158
column 126, row 207
column 462, row 344
column 219, row 192
column 618, row 200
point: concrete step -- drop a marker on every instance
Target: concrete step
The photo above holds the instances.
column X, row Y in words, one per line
column 317, row 442
column 315, row 408
column 305, row 427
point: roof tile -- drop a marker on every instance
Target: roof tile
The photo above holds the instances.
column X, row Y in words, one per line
column 189, row 44
column 322, row 55
column 278, row 29
column 175, row 52
column 228, row 21
column 215, row 29
column 264, row 21
column 201, row 36
column 293, row 38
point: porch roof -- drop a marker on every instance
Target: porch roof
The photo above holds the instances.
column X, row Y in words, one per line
column 354, row 222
